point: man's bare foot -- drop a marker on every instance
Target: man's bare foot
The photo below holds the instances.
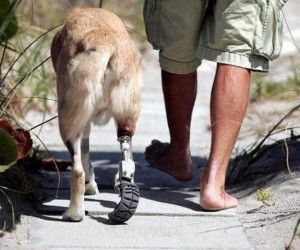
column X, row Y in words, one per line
column 213, row 198
column 175, row 162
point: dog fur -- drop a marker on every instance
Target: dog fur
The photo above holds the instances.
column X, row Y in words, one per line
column 98, row 73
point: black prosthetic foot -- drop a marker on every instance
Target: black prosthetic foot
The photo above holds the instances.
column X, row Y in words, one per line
column 126, row 208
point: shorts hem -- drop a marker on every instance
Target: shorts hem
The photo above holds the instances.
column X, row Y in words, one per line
column 254, row 63
column 177, row 67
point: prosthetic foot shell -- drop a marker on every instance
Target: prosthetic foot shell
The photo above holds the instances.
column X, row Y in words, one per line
column 130, row 195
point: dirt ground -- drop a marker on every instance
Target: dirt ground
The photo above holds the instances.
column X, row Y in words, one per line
column 271, row 227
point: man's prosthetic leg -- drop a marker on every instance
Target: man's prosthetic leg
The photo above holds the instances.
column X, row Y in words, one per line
column 124, row 184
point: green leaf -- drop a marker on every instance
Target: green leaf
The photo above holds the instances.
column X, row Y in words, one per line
column 263, row 195
column 295, row 234
column 8, row 20
column 8, row 151
column 297, row 228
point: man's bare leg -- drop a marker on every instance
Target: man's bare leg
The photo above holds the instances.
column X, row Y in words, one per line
column 174, row 158
column 228, row 105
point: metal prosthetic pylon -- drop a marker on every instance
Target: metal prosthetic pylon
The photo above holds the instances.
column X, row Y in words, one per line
column 124, row 185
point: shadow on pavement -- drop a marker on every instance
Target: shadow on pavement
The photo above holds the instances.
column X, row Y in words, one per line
column 154, row 186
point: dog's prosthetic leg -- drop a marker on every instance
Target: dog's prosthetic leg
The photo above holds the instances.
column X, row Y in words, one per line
column 124, row 185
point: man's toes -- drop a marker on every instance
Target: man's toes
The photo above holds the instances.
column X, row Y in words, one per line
column 156, row 143
column 155, row 147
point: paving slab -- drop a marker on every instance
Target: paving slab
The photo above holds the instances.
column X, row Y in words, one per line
column 142, row 232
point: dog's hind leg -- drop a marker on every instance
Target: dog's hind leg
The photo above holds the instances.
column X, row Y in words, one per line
column 76, row 212
column 74, row 117
column 90, row 183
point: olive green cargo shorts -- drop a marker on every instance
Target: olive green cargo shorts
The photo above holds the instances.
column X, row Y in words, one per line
column 244, row 33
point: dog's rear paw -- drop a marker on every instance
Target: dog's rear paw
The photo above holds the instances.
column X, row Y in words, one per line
column 73, row 215
column 91, row 188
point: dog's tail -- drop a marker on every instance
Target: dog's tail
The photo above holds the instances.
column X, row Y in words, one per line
column 77, row 105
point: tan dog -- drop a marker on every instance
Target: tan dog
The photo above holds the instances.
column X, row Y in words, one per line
column 98, row 77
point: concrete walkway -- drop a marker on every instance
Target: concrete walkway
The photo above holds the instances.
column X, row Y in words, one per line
column 168, row 215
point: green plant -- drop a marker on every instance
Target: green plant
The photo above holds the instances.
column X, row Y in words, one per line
column 268, row 90
column 12, row 208
column 26, row 82
column 264, row 88
column 3, row 229
column 296, row 233
column 25, row 79
column 23, row 57
column 8, row 20
column 263, row 196
column 257, row 150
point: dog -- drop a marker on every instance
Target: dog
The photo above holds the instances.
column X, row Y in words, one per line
column 98, row 71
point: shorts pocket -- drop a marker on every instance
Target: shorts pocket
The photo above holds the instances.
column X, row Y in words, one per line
column 268, row 33
column 151, row 14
